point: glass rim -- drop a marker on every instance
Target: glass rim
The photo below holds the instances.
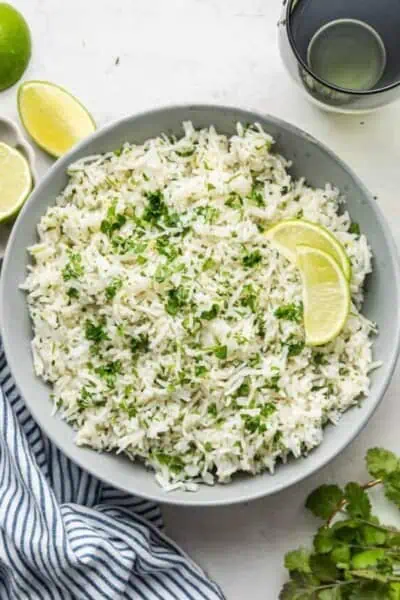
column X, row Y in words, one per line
column 324, row 82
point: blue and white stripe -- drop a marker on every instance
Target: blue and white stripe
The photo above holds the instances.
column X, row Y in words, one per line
column 65, row 535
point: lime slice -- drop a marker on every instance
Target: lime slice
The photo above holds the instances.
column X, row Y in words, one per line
column 15, row 181
column 286, row 236
column 326, row 295
column 52, row 117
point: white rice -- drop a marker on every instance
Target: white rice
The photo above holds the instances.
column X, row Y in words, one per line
column 153, row 296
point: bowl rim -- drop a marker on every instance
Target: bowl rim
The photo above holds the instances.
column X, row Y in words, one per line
column 189, row 499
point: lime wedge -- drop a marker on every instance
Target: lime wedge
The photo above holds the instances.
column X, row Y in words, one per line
column 287, row 235
column 15, row 181
column 326, row 295
column 52, row 117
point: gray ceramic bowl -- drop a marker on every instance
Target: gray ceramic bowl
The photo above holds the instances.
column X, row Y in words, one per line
column 310, row 159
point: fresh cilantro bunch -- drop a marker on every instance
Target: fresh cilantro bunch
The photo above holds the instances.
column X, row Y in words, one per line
column 354, row 555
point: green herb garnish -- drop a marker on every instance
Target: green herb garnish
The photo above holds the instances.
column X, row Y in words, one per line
column 354, row 557
column 112, row 222
column 252, row 259
column 113, row 288
column 290, row 312
column 74, row 268
column 95, row 333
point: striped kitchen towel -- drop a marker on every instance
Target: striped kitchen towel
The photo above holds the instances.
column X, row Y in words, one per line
column 65, row 535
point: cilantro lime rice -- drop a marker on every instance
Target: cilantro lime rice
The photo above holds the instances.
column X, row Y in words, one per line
column 168, row 326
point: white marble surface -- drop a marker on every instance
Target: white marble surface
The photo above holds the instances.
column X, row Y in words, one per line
column 223, row 51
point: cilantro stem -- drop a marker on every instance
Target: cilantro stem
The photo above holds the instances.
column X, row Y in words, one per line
column 367, row 486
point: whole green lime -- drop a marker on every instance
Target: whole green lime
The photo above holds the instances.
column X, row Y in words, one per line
column 15, row 45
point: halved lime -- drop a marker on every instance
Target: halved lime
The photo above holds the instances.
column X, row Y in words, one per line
column 53, row 117
column 287, row 235
column 15, row 181
column 326, row 295
column 15, row 45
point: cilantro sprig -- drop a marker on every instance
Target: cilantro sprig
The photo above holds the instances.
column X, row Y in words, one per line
column 354, row 555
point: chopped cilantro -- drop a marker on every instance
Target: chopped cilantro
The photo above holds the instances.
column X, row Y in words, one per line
column 220, row 352
column 74, row 268
column 273, row 382
column 112, row 222
column 268, row 410
column 208, row 315
column 88, row 400
column 129, row 409
column 113, row 288
column 249, row 298
column 185, row 153
column 354, row 228
column 290, row 312
column 318, row 358
column 200, row 370
column 254, row 424
column 95, row 333
column 210, row 213
column 209, row 263
column 243, row 389
column 252, row 259
column 234, row 201
column 212, row 409
column 109, row 372
column 140, row 344
column 174, row 463
column 296, row 348
column 156, row 208
column 177, row 298
column 165, row 248
column 257, row 194
column 72, row 293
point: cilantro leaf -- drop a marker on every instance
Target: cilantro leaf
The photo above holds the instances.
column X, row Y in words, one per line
column 208, row 315
column 140, row 344
column 165, row 248
column 174, row 463
column 72, row 293
column 295, row 348
column 358, row 503
column 257, row 194
column 156, row 206
column 323, row 568
column 220, row 352
column 95, row 333
column 109, row 372
column 74, row 268
column 113, row 288
column 112, row 222
column 290, row 312
column 212, row 409
column 354, row 228
column 323, row 501
column 298, row 560
column 252, row 259
column 391, row 484
column 177, row 298
column 381, row 463
column 249, row 298
column 324, row 540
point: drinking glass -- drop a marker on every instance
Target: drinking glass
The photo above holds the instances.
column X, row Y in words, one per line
column 345, row 54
